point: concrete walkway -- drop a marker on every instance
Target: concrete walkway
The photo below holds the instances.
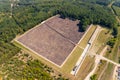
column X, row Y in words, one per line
column 84, row 54
column 97, row 60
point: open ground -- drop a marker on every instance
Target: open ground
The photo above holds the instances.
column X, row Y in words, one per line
column 63, row 29
column 73, row 57
column 53, row 40
column 59, row 41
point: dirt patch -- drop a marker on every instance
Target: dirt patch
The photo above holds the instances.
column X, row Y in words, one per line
column 52, row 39
column 66, row 27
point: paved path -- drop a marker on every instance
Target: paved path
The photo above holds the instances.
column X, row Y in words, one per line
column 110, row 5
column 103, row 58
column 80, row 61
column 104, row 50
column 100, row 57
column 97, row 60
column 82, row 57
column 99, row 78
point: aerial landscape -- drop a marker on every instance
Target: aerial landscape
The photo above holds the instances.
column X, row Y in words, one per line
column 59, row 39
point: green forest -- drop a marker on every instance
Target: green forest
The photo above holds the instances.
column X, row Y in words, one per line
column 28, row 13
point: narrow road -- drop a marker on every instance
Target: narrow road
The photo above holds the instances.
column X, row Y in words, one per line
column 97, row 60
column 103, row 58
column 110, row 6
column 100, row 57
column 80, row 61
column 99, row 78
column 84, row 54
column 103, row 51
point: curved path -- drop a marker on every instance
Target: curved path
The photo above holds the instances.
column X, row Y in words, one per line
column 98, row 58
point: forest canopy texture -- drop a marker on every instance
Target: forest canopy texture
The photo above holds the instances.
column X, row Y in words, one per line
column 25, row 14
column 28, row 13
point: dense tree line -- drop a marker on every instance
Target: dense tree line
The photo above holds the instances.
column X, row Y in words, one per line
column 8, row 31
column 29, row 69
column 117, row 3
column 116, row 10
column 5, row 5
column 37, row 13
column 87, row 14
column 111, row 42
column 101, row 2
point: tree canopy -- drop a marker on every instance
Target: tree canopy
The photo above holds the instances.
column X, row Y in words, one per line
column 28, row 13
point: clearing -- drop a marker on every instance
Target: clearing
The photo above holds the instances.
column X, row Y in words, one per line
column 52, row 40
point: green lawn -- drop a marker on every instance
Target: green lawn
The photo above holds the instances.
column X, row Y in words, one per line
column 36, row 56
column 71, row 61
column 101, row 69
column 87, row 66
column 66, row 68
column 86, row 38
column 100, row 41
column 117, row 10
column 108, row 72
column 69, row 65
column 104, row 35
column 114, row 55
